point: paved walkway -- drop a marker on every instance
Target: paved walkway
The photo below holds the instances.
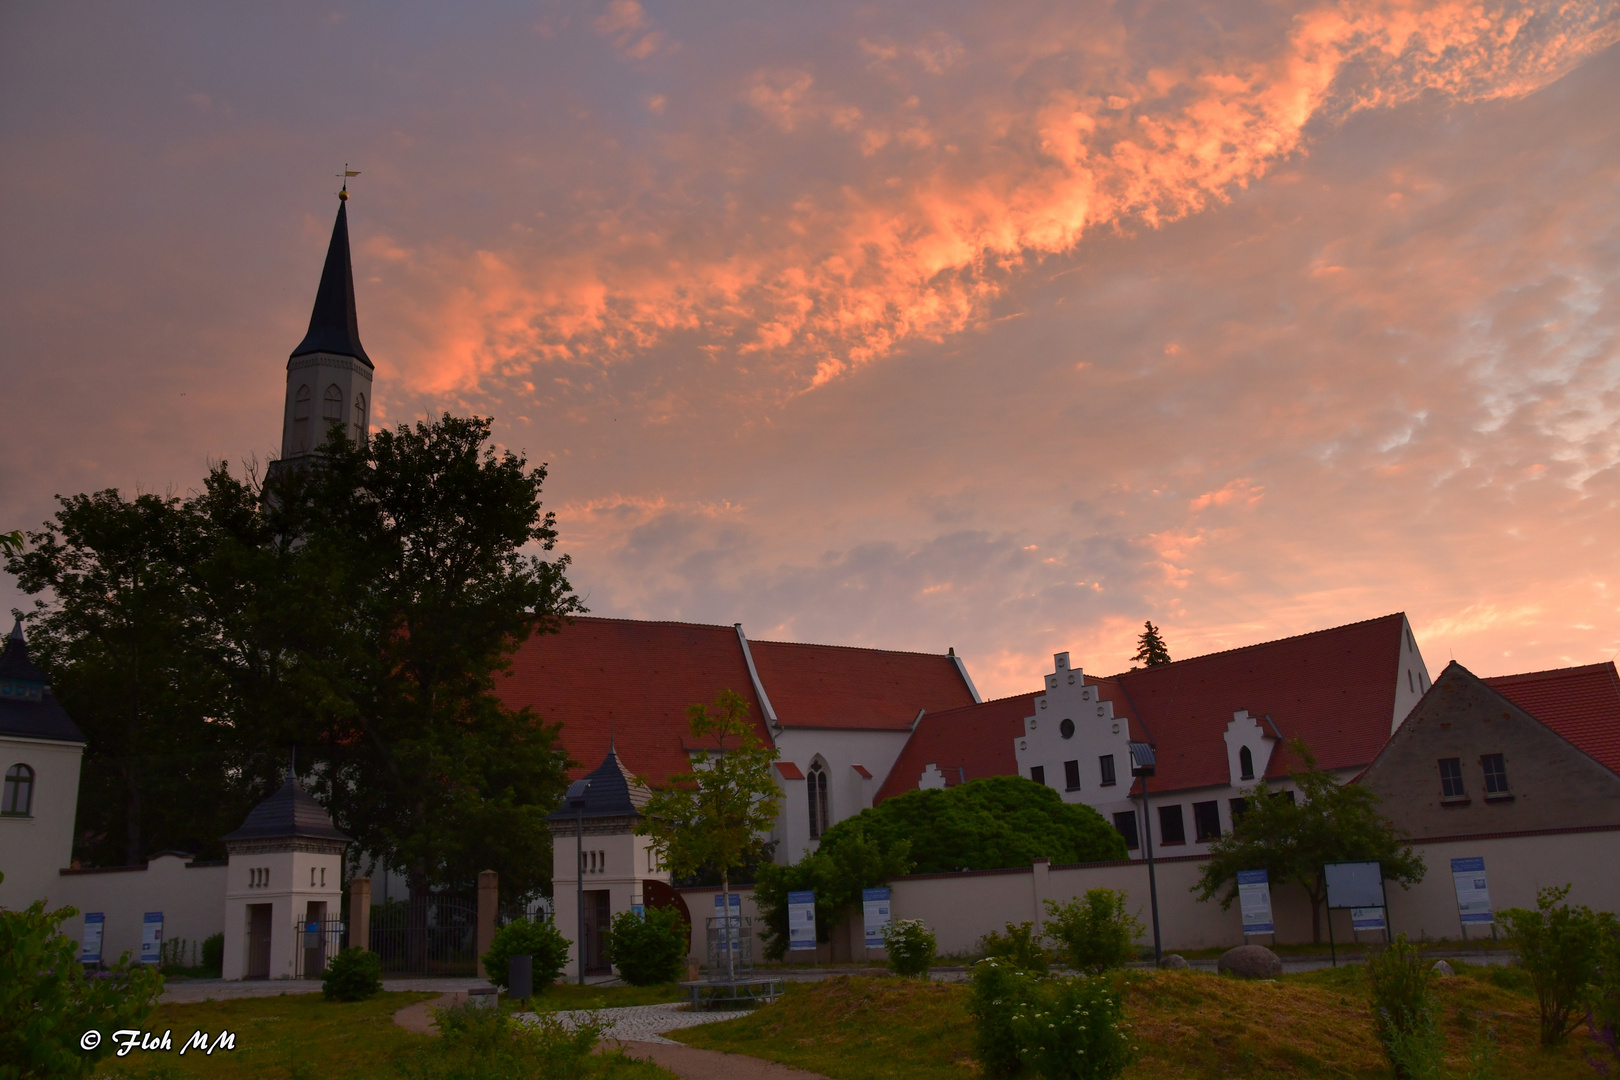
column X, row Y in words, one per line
column 642, row 1023
column 191, row 990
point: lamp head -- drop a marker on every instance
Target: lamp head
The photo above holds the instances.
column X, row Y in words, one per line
column 576, row 793
column 1142, row 759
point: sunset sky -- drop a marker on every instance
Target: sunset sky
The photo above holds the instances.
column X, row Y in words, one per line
column 995, row 326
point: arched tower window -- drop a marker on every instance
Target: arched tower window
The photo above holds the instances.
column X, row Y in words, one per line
column 359, row 431
column 301, row 402
column 1245, row 764
column 815, row 783
column 332, row 407
column 17, row 800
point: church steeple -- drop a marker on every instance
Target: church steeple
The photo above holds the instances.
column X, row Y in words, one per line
column 329, row 374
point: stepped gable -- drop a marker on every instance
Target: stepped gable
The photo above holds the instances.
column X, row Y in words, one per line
column 1582, row 704
column 613, row 793
column 291, row 812
column 975, row 741
column 1333, row 688
column 836, row 686
column 28, row 709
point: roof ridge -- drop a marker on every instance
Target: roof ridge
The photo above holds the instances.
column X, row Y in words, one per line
column 1256, row 645
column 1599, row 666
column 852, row 648
column 981, row 704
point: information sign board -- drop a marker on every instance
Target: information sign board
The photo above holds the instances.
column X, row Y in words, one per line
column 152, row 938
column 1367, row 918
column 1254, row 900
column 1354, row 884
column 90, row 952
column 802, row 921
column 1473, row 897
column 875, row 905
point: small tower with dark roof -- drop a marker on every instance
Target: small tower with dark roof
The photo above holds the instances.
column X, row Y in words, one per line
column 329, row 373
column 284, row 872
column 617, row 866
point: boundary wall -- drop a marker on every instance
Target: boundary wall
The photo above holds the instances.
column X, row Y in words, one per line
column 190, row 894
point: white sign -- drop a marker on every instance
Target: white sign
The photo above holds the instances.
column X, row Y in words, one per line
column 152, row 938
column 94, row 923
column 875, row 905
column 1354, row 884
column 1367, row 918
column 802, row 921
column 1254, row 900
column 1473, row 897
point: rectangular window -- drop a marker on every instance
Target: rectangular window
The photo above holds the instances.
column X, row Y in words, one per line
column 1239, row 807
column 1125, row 822
column 1207, row 821
column 1105, row 765
column 1495, row 774
column 1037, row 773
column 1172, row 830
column 1451, row 781
column 1071, row 775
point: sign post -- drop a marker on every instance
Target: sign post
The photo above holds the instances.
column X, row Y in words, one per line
column 1473, row 896
column 1254, row 901
column 1357, row 886
column 875, row 908
column 90, row 952
column 152, row 938
column 802, row 921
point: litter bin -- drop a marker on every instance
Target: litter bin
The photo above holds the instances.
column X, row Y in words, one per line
column 520, row 977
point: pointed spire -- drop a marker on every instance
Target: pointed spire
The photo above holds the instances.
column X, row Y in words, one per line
column 333, row 326
column 14, row 662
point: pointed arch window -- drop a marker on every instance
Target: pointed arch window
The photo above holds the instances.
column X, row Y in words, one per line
column 17, row 799
column 332, row 407
column 1245, row 764
column 359, row 431
column 815, row 784
column 301, row 406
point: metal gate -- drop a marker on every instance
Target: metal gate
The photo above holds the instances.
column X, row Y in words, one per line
column 427, row 935
column 316, row 941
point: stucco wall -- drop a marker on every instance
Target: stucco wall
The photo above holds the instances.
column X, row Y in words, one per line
column 191, row 897
column 34, row 848
column 848, row 793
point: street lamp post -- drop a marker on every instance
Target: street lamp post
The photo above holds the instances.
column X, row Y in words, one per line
column 576, row 799
column 1142, row 766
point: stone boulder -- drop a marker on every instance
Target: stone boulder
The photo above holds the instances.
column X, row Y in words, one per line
column 1173, row 962
column 1442, row 968
column 1250, row 962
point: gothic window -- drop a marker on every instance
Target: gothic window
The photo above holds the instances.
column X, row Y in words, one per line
column 1245, row 764
column 359, row 431
column 301, row 418
column 18, row 797
column 815, row 784
column 332, row 407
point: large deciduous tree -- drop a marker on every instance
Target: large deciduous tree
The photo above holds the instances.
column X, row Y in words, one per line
column 1292, row 837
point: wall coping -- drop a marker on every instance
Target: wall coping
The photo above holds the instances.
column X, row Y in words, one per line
column 195, row 864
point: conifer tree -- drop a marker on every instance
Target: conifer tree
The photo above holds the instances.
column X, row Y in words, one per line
column 1151, row 650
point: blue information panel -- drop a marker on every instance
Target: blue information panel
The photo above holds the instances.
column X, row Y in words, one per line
column 1367, row 918
column 875, row 906
column 94, row 923
column 152, row 938
column 1254, row 900
column 802, row 921
column 1473, row 897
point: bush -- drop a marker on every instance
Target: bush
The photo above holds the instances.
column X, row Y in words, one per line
column 354, row 974
column 47, row 1002
column 911, row 947
column 479, row 1043
column 1095, row 932
column 845, row 863
column 213, row 953
column 1603, row 1019
column 1403, row 1007
column 1063, row 1028
column 1559, row 945
column 1000, row 992
column 651, row 948
column 1020, row 946
column 541, row 940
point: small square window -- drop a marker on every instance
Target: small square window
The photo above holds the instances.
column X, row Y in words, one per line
column 1125, row 822
column 1037, row 773
column 1495, row 774
column 1451, row 779
column 1105, row 765
column 1207, row 821
column 1172, row 830
column 1071, row 775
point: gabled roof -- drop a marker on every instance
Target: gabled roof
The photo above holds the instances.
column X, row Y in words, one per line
column 1580, row 703
column 974, row 741
column 28, row 709
column 290, row 812
column 833, row 686
column 613, row 792
column 333, row 325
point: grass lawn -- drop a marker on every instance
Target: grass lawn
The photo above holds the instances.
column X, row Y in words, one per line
column 305, row 1037
column 1188, row 1024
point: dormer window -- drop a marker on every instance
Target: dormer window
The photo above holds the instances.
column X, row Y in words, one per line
column 17, row 798
column 815, row 785
column 1245, row 764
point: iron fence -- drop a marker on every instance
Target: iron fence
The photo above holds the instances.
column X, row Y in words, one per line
column 316, row 942
column 427, row 935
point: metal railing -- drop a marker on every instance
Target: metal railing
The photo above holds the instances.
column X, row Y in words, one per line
column 428, row 935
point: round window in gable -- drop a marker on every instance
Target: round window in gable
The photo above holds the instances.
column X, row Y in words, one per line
column 1066, row 729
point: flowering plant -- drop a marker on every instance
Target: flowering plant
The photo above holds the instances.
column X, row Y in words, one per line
column 910, row 945
column 1063, row 1028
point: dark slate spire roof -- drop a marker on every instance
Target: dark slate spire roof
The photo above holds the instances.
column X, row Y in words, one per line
column 27, row 707
column 333, row 327
column 613, row 792
column 290, row 812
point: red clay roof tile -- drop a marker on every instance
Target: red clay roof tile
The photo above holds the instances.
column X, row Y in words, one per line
column 832, row 686
column 1580, row 703
column 976, row 741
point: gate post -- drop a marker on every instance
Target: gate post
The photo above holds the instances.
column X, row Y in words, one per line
column 360, row 912
column 488, row 898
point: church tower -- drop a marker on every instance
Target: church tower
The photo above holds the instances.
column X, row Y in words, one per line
column 329, row 374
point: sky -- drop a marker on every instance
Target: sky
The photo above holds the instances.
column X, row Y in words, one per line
column 996, row 327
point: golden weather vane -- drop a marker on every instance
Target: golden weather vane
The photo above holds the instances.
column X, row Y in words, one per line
column 346, row 173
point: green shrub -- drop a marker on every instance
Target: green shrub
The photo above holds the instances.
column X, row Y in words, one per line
column 649, row 948
column 1061, row 1028
column 910, row 945
column 480, row 1043
column 1000, row 992
column 213, row 953
column 1095, row 932
column 1020, row 946
column 1403, row 1007
column 541, row 940
column 1559, row 945
column 47, row 1002
column 846, row 862
column 354, row 974
column 1603, row 1018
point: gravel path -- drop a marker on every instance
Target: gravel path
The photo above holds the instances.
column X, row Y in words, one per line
column 642, row 1023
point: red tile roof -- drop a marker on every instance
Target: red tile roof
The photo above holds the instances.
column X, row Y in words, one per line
column 1580, row 703
column 789, row 770
column 831, row 686
column 977, row 740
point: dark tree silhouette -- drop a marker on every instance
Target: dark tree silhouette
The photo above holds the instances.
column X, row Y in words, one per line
column 1150, row 647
